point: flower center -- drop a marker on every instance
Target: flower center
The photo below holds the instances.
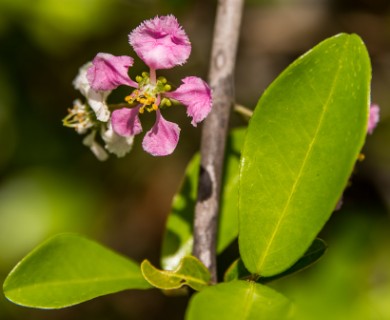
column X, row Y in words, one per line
column 148, row 95
column 80, row 117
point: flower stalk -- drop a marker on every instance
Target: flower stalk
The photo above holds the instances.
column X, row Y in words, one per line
column 223, row 56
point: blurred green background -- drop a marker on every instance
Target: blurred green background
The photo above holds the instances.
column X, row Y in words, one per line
column 51, row 183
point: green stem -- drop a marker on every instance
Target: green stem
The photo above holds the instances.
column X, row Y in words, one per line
column 244, row 111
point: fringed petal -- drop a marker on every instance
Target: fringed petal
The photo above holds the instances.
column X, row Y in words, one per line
column 125, row 122
column 195, row 94
column 161, row 42
column 109, row 72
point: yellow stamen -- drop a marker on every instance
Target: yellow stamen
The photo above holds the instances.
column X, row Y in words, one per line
column 163, row 80
column 154, row 106
column 150, row 100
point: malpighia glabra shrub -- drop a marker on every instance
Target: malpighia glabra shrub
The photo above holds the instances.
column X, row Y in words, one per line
column 285, row 173
column 162, row 44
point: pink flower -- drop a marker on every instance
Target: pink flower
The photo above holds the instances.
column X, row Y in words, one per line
column 373, row 118
column 162, row 44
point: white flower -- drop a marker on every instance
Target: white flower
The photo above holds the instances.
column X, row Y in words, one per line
column 95, row 147
column 93, row 118
column 79, row 117
column 96, row 99
column 115, row 143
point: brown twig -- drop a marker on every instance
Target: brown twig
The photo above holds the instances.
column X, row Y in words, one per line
column 223, row 56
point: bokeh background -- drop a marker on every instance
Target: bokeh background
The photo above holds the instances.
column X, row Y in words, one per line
column 51, row 183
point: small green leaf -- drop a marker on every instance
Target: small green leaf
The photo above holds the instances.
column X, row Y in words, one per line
column 244, row 300
column 237, row 269
column 301, row 146
column 178, row 236
column 190, row 272
column 68, row 269
column 311, row 256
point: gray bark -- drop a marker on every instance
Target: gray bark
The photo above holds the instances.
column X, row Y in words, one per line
column 221, row 75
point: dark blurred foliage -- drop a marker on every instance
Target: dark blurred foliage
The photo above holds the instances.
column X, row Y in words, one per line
column 50, row 182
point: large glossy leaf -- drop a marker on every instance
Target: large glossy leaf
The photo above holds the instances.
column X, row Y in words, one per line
column 178, row 236
column 302, row 143
column 68, row 269
column 244, row 300
column 190, row 272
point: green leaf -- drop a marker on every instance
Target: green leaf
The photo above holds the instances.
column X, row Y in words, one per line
column 190, row 272
column 244, row 300
column 68, row 269
column 311, row 256
column 178, row 236
column 237, row 269
column 301, row 146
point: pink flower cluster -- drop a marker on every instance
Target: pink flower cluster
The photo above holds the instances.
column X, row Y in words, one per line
column 162, row 44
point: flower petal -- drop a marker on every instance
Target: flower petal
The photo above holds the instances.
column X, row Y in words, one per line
column 96, row 99
column 125, row 122
column 373, row 118
column 117, row 144
column 196, row 95
column 108, row 72
column 161, row 42
column 81, row 82
column 95, row 147
column 162, row 139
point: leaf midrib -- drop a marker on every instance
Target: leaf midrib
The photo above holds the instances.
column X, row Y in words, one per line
column 248, row 300
column 181, row 276
column 296, row 183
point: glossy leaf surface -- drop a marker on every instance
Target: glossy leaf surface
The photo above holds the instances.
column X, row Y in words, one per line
column 178, row 236
column 244, row 300
column 68, row 269
column 190, row 272
column 301, row 146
